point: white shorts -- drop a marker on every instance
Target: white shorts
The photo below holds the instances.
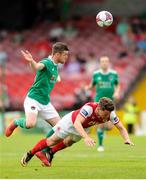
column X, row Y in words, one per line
column 46, row 111
column 65, row 128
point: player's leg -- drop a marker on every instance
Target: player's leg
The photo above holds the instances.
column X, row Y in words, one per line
column 60, row 132
column 48, row 152
column 31, row 113
column 49, row 113
column 68, row 141
column 42, row 155
column 47, row 142
column 100, row 134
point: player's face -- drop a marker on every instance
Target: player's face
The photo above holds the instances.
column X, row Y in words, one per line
column 63, row 56
column 104, row 114
column 104, row 63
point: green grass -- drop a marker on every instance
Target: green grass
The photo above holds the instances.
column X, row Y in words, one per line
column 119, row 161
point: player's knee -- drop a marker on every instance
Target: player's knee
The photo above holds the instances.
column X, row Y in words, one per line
column 68, row 143
column 30, row 125
column 51, row 142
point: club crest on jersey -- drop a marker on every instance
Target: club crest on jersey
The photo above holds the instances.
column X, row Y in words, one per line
column 52, row 78
column 33, row 107
column 84, row 112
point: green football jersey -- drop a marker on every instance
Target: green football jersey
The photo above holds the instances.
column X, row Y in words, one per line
column 44, row 82
column 105, row 83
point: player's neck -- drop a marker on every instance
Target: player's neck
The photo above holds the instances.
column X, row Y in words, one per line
column 54, row 59
column 105, row 71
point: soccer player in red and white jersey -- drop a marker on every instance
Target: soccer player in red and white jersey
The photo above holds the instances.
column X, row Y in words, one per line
column 76, row 124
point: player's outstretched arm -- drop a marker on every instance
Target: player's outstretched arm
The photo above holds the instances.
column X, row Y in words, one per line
column 35, row 66
column 117, row 92
column 89, row 87
column 124, row 133
column 78, row 125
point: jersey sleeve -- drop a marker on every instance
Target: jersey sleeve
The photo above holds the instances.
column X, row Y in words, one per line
column 86, row 111
column 93, row 80
column 46, row 63
column 116, row 79
column 113, row 118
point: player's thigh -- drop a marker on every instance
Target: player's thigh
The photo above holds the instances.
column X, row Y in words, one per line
column 68, row 141
column 61, row 129
column 71, row 139
column 49, row 113
column 31, row 119
column 53, row 121
column 31, row 111
column 76, row 138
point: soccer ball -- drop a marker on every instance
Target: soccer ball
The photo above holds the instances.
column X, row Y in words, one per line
column 104, row 18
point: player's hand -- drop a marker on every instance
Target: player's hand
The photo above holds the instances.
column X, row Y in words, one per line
column 86, row 88
column 116, row 96
column 89, row 141
column 27, row 55
column 129, row 143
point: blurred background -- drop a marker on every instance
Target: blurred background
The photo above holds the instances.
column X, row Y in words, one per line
column 36, row 24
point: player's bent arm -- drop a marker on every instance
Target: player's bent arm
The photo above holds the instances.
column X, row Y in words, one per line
column 78, row 125
column 117, row 92
column 123, row 133
column 34, row 65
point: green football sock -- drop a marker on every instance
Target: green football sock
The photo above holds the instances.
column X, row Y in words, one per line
column 21, row 123
column 100, row 135
column 48, row 135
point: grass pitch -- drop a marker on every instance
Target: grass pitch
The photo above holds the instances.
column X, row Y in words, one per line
column 119, row 161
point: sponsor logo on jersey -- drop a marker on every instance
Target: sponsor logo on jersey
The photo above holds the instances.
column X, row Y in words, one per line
column 110, row 78
column 84, row 112
column 116, row 119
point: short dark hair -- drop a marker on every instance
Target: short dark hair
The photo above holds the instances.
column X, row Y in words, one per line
column 59, row 47
column 106, row 104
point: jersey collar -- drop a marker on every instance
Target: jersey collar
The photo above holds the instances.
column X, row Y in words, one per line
column 101, row 71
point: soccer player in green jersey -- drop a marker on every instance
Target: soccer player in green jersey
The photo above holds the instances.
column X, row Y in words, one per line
column 107, row 85
column 37, row 100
